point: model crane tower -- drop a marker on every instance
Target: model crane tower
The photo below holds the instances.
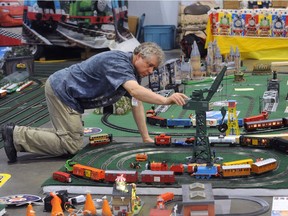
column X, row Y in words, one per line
column 201, row 152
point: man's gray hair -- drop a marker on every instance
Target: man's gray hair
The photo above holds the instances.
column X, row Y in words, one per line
column 148, row 49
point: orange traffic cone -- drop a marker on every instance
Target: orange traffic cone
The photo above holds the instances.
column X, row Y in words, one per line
column 56, row 206
column 30, row 211
column 106, row 211
column 89, row 207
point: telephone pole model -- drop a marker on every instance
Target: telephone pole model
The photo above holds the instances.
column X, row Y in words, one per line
column 232, row 120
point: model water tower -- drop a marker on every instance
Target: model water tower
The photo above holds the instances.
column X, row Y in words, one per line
column 232, row 120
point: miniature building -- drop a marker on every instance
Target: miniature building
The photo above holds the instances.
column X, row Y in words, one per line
column 121, row 200
column 270, row 101
column 10, row 65
column 198, row 197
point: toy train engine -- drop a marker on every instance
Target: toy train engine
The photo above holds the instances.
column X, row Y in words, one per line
column 280, row 144
column 205, row 172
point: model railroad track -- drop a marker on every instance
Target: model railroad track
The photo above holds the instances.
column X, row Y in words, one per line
column 66, row 37
column 27, row 108
column 124, row 152
column 105, row 121
column 31, row 36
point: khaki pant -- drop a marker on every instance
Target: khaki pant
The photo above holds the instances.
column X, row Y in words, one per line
column 66, row 136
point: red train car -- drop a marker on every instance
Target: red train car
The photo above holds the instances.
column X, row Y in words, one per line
column 156, row 120
column 89, row 172
column 162, row 140
column 165, row 177
column 177, row 168
column 265, row 124
column 62, row 176
column 262, row 116
column 111, row 175
column 159, row 166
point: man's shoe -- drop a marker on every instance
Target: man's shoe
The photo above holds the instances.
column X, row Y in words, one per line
column 7, row 136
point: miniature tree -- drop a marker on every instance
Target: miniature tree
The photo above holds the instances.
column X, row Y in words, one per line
column 106, row 211
column 89, row 207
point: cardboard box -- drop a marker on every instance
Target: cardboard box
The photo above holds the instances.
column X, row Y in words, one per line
column 280, row 4
column 133, row 24
column 228, row 4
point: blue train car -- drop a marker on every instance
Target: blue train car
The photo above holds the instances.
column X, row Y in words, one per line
column 179, row 122
column 205, row 172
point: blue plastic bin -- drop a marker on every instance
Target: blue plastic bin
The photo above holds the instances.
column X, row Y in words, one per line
column 163, row 35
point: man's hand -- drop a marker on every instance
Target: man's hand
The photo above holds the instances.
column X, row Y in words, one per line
column 148, row 140
column 177, row 98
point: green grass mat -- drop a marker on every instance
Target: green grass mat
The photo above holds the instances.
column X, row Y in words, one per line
column 248, row 95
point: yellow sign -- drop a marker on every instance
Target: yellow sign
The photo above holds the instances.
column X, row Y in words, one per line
column 4, row 178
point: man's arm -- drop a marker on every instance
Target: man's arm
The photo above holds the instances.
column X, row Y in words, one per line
column 140, row 119
column 143, row 94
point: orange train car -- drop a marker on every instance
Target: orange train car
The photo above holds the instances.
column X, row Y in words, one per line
column 164, row 198
column 89, row 172
column 239, row 170
column 141, row 157
column 263, row 166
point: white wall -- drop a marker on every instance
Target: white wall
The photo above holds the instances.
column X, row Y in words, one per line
column 159, row 12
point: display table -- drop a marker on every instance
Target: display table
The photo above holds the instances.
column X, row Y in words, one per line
column 265, row 39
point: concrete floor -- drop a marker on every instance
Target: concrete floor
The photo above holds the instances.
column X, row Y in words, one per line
column 31, row 171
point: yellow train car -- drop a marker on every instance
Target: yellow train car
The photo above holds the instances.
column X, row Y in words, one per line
column 237, row 162
column 98, row 139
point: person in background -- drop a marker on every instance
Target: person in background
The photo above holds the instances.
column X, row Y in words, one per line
column 98, row 81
